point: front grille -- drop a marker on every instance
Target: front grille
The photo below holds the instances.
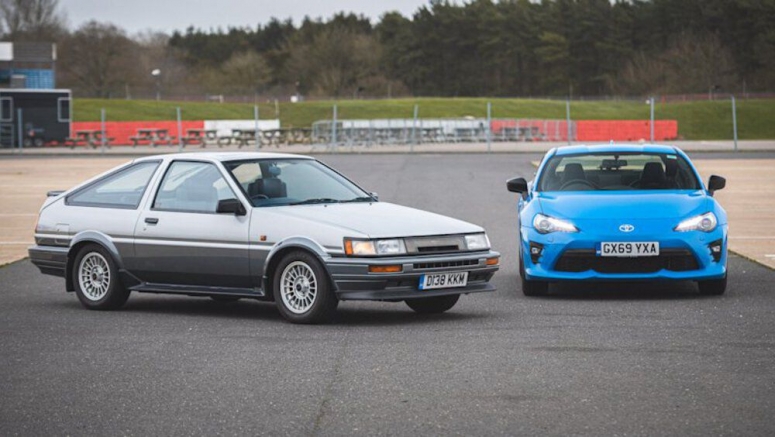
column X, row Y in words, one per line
column 677, row 260
column 431, row 249
column 445, row 264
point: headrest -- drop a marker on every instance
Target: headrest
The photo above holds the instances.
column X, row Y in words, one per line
column 573, row 171
column 653, row 172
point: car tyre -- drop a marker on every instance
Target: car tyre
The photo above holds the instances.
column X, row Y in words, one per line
column 302, row 289
column 432, row 305
column 715, row 287
column 95, row 277
column 531, row 288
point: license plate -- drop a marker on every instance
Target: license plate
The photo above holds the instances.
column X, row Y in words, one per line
column 629, row 249
column 443, row 280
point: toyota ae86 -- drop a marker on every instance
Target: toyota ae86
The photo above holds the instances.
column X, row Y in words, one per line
column 620, row 213
column 284, row 228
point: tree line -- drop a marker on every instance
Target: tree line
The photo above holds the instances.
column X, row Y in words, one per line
column 473, row 48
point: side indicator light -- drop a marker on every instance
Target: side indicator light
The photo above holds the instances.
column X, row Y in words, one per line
column 386, row 269
column 492, row 261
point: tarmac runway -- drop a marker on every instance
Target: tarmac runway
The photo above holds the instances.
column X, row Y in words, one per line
column 601, row 359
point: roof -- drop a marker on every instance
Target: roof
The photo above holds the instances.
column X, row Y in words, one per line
column 225, row 156
column 613, row 147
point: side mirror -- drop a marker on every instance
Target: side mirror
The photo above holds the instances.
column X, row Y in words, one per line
column 716, row 183
column 374, row 195
column 231, row 206
column 517, row 185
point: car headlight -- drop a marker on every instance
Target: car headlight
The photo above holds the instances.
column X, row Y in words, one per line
column 704, row 222
column 393, row 246
column 477, row 242
column 545, row 224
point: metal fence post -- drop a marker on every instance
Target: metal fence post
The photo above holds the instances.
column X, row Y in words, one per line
column 258, row 131
column 103, row 137
column 489, row 123
column 333, row 128
column 414, row 128
column 180, row 132
column 567, row 119
column 651, row 100
column 21, row 129
column 734, row 120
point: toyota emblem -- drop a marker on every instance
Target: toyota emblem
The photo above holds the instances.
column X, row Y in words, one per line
column 626, row 228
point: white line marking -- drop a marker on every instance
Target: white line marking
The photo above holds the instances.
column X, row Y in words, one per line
column 769, row 255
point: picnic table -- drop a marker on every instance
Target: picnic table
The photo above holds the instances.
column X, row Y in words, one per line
column 87, row 137
column 243, row 136
column 152, row 136
column 201, row 136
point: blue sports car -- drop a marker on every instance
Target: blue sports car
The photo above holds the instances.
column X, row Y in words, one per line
column 620, row 213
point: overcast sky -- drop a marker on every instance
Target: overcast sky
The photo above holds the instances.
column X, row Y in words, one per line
column 168, row 15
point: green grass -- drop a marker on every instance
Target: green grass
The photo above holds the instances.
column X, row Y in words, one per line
column 701, row 120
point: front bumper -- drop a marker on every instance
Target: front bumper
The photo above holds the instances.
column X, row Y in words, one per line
column 693, row 245
column 353, row 280
column 50, row 260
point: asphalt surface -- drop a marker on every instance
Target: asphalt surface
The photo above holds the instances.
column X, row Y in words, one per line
column 602, row 359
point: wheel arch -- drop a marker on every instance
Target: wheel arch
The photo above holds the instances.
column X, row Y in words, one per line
column 289, row 245
column 78, row 242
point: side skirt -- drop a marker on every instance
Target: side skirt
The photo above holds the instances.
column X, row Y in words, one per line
column 193, row 290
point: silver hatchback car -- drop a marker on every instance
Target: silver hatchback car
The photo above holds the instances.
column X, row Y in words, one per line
column 266, row 226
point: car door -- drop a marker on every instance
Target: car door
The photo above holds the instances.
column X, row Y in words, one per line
column 180, row 239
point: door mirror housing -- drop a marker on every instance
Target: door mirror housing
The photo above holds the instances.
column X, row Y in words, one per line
column 231, row 206
column 716, row 183
column 517, row 185
column 374, row 195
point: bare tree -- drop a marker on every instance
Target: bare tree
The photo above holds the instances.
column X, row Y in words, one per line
column 99, row 60
column 336, row 62
column 39, row 20
column 691, row 64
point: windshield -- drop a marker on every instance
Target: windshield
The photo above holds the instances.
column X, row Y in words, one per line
column 636, row 171
column 277, row 182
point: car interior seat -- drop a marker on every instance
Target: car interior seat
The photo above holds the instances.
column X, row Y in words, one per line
column 573, row 171
column 653, row 176
column 271, row 187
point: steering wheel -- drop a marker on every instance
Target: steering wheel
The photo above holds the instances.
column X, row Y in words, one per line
column 577, row 182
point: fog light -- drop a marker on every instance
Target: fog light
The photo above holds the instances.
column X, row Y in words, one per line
column 715, row 250
column 385, row 269
column 536, row 250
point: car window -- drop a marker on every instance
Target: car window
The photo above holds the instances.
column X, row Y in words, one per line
column 274, row 182
column 192, row 187
column 123, row 189
column 625, row 171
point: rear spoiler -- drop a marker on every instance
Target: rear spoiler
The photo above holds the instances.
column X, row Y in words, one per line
column 54, row 193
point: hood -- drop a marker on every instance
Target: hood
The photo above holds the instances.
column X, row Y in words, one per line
column 379, row 219
column 626, row 205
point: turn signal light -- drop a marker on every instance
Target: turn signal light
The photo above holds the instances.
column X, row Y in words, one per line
column 385, row 269
column 492, row 261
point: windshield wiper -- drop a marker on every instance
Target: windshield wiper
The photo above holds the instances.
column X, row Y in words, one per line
column 316, row 200
column 359, row 199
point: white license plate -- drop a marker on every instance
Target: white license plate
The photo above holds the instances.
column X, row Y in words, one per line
column 630, row 249
column 443, row 280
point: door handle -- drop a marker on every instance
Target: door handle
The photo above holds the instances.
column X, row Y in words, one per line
column 151, row 220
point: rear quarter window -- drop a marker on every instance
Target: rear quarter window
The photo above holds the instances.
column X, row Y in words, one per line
column 123, row 189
